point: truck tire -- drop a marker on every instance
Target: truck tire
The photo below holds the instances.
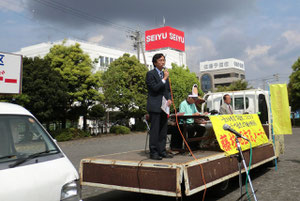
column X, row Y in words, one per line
column 222, row 188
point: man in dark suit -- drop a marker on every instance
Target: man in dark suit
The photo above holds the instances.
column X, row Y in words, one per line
column 158, row 86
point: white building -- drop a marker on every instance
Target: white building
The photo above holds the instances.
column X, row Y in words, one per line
column 220, row 72
column 105, row 54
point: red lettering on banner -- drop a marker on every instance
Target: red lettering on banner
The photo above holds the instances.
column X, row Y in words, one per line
column 225, row 143
column 1, row 78
column 13, row 81
column 248, row 135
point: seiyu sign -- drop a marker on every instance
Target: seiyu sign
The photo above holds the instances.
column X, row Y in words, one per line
column 10, row 73
column 164, row 37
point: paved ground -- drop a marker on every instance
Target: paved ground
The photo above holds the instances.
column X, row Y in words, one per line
column 270, row 185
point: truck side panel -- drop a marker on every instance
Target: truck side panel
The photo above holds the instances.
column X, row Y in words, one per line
column 216, row 171
column 153, row 180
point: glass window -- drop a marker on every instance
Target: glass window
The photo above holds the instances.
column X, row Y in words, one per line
column 239, row 103
column 206, row 83
column 241, row 65
column 218, row 76
column 205, row 66
column 111, row 60
column 216, row 65
column 226, row 64
column 106, row 61
column 210, row 66
column 22, row 136
column 242, row 76
column 221, row 64
column 101, row 58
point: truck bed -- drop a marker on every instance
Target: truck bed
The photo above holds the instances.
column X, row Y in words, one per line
column 134, row 171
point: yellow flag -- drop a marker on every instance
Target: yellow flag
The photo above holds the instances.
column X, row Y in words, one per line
column 248, row 125
column 280, row 109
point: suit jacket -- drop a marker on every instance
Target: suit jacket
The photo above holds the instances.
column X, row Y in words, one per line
column 224, row 109
column 156, row 90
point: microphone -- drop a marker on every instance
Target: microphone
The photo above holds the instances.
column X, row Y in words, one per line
column 228, row 128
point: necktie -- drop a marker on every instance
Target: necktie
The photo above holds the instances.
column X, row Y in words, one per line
column 161, row 75
column 230, row 109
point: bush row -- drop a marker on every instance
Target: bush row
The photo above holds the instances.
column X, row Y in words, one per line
column 120, row 130
column 74, row 133
column 69, row 134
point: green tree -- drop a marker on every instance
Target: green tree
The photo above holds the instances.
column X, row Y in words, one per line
column 83, row 86
column 43, row 91
column 124, row 86
column 235, row 86
column 182, row 81
column 294, row 86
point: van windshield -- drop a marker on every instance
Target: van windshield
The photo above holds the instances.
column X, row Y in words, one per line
column 21, row 136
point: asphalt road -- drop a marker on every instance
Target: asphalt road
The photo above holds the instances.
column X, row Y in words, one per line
column 269, row 184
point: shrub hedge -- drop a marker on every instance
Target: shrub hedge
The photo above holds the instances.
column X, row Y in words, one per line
column 69, row 134
column 120, row 129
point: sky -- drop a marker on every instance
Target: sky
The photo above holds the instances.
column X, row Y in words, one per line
column 264, row 34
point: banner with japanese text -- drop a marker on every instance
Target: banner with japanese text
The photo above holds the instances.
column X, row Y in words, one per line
column 280, row 109
column 247, row 125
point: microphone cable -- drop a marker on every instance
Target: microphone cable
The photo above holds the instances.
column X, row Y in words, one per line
column 185, row 142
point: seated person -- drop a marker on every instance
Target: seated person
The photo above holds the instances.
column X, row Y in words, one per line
column 194, row 129
column 226, row 108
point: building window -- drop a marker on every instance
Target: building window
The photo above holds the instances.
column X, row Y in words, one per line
column 106, row 61
column 236, row 75
column 111, row 60
column 210, row 66
column 101, row 61
column 226, row 64
column 216, row 65
column 242, row 76
column 219, row 76
column 206, row 83
column 241, row 65
column 205, row 66
column 222, row 85
column 221, row 64
column 236, row 64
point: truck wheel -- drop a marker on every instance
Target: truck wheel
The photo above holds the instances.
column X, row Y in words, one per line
column 222, row 188
column 272, row 163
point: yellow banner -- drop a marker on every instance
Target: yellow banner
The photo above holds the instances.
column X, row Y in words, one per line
column 247, row 125
column 280, row 109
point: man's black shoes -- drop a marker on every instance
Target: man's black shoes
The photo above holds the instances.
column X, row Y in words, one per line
column 155, row 157
column 166, row 155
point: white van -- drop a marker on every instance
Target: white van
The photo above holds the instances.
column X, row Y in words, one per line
column 32, row 166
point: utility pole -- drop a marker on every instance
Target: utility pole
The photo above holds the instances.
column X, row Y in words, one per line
column 275, row 77
column 138, row 44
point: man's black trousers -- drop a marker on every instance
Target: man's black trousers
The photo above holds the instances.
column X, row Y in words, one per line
column 158, row 133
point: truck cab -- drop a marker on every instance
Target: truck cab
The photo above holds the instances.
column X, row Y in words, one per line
column 253, row 101
column 32, row 166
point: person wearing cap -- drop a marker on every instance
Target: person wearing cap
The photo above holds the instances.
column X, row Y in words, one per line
column 188, row 107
